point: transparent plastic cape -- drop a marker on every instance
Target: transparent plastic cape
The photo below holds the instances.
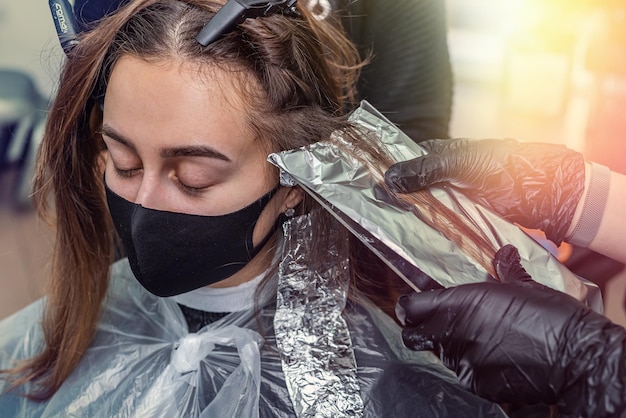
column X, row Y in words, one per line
column 419, row 254
column 143, row 362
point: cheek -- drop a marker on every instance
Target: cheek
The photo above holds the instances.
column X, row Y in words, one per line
column 267, row 221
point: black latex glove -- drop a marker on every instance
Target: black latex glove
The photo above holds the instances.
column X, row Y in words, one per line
column 537, row 185
column 521, row 342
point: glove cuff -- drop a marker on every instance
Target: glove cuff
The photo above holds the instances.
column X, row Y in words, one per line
column 593, row 206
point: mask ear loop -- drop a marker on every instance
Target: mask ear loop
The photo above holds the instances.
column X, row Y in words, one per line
column 253, row 250
column 282, row 218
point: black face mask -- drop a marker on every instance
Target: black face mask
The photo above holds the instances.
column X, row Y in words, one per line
column 172, row 253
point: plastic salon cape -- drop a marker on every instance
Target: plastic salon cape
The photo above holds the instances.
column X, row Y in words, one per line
column 144, row 362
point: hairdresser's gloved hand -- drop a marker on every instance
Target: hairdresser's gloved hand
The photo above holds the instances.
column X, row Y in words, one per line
column 521, row 342
column 537, row 185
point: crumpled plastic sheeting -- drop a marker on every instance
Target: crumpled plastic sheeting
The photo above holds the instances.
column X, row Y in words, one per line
column 131, row 368
column 311, row 334
column 408, row 245
column 144, row 363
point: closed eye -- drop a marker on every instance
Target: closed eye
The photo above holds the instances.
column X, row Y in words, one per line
column 126, row 173
column 191, row 191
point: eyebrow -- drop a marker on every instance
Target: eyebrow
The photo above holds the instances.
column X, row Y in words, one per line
column 183, row 151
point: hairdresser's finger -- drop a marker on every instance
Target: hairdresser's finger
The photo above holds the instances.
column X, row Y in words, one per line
column 419, row 339
column 424, row 323
column 508, row 266
column 416, row 174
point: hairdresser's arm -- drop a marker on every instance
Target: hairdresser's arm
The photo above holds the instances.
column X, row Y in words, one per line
column 537, row 185
column 520, row 342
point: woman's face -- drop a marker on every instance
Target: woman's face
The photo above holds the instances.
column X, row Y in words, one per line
column 178, row 141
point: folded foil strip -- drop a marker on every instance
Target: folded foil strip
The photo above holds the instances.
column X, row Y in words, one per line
column 312, row 336
column 420, row 255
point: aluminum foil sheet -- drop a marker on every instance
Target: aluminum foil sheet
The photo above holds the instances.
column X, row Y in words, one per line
column 311, row 335
column 419, row 254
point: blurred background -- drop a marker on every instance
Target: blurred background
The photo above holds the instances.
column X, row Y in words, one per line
column 535, row 70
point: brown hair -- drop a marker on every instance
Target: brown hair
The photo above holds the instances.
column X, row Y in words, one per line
column 298, row 77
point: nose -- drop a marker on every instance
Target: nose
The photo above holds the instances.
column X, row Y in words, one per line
column 148, row 192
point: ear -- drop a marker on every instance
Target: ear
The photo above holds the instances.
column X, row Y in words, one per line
column 293, row 198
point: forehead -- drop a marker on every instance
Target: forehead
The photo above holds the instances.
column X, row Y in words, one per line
column 175, row 101
column 169, row 84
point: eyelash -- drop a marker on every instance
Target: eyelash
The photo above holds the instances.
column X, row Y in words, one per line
column 191, row 191
column 125, row 173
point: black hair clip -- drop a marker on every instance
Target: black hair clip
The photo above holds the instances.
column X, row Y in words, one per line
column 234, row 12
column 67, row 30
column 64, row 23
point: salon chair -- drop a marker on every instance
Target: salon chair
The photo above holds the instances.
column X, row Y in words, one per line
column 22, row 186
column 21, row 108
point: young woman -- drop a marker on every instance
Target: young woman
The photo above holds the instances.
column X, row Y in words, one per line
column 162, row 142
